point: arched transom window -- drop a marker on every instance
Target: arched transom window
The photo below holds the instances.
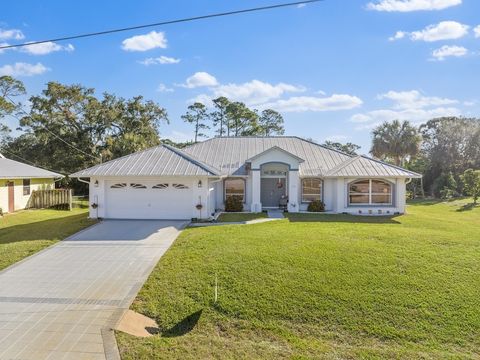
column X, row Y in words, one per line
column 370, row 192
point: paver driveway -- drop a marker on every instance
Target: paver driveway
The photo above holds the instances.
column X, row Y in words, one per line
column 58, row 303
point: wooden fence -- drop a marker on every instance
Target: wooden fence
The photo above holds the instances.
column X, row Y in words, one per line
column 44, row 199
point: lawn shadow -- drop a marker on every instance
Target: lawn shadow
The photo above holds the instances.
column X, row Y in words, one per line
column 184, row 326
column 467, row 207
column 343, row 218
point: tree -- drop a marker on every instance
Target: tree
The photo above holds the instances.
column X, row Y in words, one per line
column 395, row 141
column 242, row 121
column 347, row 148
column 197, row 115
column 10, row 88
column 68, row 128
column 471, row 183
column 219, row 116
column 271, row 123
column 445, row 186
column 450, row 144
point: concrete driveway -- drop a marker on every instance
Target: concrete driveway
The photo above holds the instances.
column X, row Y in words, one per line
column 61, row 302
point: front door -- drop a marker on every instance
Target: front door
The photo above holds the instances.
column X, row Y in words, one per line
column 272, row 191
column 11, row 196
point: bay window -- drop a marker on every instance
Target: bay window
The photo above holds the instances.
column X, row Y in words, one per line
column 370, row 192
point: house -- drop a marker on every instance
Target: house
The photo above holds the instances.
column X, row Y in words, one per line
column 167, row 183
column 18, row 180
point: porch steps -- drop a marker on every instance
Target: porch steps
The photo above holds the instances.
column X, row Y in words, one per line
column 275, row 214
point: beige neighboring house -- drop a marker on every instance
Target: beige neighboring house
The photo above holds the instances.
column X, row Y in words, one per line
column 18, row 180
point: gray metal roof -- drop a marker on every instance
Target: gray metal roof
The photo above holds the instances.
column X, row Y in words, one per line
column 162, row 160
column 11, row 169
column 228, row 155
column 362, row 166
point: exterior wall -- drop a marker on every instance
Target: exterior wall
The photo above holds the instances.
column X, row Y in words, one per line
column 204, row 195
column 20, row 199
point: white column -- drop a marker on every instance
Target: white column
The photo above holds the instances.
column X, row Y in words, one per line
column 400, row 196
column 256, row 205
column 293, row 193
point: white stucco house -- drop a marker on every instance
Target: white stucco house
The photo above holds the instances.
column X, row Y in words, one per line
column 19, row 180
column 167, row 183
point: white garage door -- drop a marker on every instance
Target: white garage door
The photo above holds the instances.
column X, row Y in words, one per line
column 148, row 200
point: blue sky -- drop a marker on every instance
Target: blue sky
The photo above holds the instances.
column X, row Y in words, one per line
column 334, row 69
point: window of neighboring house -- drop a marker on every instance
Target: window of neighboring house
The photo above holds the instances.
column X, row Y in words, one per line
column 26, row 186
column 235, row 187
column 370, row 192
column 311, row 190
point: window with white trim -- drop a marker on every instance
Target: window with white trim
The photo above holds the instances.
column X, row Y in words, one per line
column 311, row 189
column 370, row 192
column 26, row 186
column 235, row 187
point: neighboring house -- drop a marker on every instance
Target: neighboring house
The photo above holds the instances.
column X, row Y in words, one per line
column 167, row 183
column 18, row 180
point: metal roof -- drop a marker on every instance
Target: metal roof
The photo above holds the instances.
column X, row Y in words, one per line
column 362, row 166
column 11, row 169
column 227, row 156
column 162, row 160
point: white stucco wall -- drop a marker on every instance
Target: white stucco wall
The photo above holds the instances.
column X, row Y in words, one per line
column 20, row 199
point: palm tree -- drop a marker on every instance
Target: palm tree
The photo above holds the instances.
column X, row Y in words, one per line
column 395, row 141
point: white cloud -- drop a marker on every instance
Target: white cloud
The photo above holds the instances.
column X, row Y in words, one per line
column 337, row 138
column 413, row 99
column 23, row 69
column 312, row 103
column 14, row 34
column 46, row 48
column 398, row 35
column 164, row 88
column 407, row 105
column 444, row 30
column 178, row 136
column 255, row 91
column 160, row 60
column 476, row 30
column 411, row 5
column 200, row 79
column 449, row 51
column 145, row 42
column 373, row 118
column 299, row 6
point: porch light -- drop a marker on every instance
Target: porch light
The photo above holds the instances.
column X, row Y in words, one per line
column 95, row 183
column 199, row 183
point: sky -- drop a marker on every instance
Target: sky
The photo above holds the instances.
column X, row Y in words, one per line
column 334, row 69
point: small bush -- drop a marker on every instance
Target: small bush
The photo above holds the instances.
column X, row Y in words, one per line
column 233, row 204
column 316, row 206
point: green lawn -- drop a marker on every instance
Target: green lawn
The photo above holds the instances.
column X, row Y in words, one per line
column 319, row 286
column 26, row 232
column 239, row 217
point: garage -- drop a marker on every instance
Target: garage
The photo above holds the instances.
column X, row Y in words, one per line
column 152, row 199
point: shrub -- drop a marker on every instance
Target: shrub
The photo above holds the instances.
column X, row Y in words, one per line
column 233, row 204
column 316, row 206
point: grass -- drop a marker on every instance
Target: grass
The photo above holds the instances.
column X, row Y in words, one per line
column 240, row 217
column 26, row 232
column 319, row 286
